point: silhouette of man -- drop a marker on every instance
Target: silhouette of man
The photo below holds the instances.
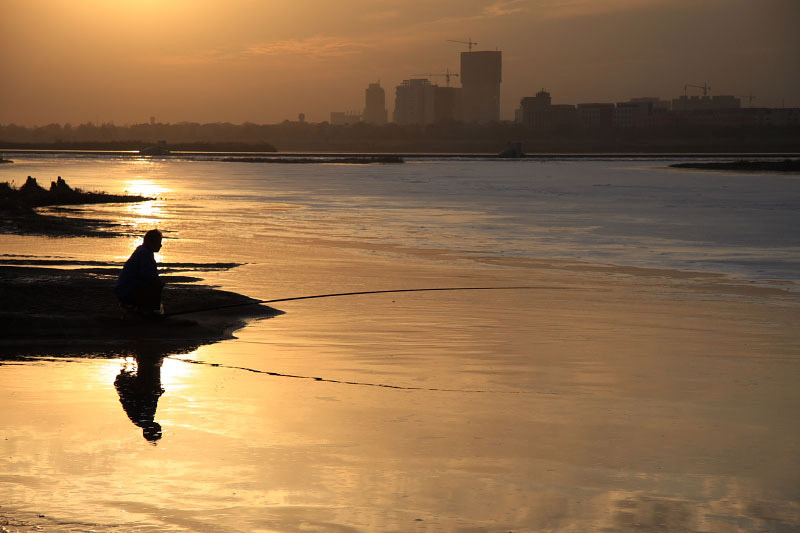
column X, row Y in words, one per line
column 139, row 287
column 139, row 393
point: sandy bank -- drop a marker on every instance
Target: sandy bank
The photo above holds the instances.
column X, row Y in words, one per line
column 75, row 311
column 18, row 209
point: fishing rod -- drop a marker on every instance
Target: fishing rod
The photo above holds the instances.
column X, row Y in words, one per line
column 335, row 294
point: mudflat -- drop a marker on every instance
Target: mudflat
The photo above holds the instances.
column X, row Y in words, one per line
column 610, row 398
column 621, row 400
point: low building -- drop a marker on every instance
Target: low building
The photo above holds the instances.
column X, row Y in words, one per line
column 538, row 113
column 705, row 103
column 784, row 116
column 658, row 105
column 344, row 118
column 634, row 114
column 750, row 116
column 596, row 115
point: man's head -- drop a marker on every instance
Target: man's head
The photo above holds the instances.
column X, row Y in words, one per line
column 152, row 239
column 151, row 431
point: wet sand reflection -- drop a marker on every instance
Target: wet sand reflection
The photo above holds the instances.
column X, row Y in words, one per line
column 139, row 389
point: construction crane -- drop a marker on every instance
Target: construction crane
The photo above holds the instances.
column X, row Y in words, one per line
column 468, row 42
column 446, row 75
column 705, row 88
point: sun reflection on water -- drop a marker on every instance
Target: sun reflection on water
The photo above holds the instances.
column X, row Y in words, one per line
column 146, row 213
column 145, row 187
column 177, row 374
column 149, row 214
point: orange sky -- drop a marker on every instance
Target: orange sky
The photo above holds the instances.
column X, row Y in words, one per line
column 266, row 61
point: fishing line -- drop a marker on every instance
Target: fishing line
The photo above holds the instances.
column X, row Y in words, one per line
column 357, row 293
column 332, row 295
column 359, row 383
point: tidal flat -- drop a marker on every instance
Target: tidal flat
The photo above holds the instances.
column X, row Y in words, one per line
column 646, row 382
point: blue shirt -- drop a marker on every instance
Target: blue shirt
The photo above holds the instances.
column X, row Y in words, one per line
column 139, row 269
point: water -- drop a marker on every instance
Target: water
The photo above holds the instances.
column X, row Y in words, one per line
column 623, row 212
column 642, row 390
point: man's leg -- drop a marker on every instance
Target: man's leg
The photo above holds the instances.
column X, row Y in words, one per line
column 148, row 296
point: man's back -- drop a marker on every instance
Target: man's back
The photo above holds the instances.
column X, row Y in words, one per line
column 140, row 267
column 139, row 286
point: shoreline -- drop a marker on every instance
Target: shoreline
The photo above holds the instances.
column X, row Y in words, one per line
column 177, row 154
column 19, row 210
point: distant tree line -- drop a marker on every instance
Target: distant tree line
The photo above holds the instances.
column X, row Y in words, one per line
column 136, row 136
column 451, row 137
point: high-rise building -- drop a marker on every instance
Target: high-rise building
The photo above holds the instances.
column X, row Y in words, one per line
column 446, row 104
column 375, row 107
column 481, row 74
column 414, row 102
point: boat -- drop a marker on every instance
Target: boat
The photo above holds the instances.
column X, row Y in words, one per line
column 513, row 150
column 158, row 149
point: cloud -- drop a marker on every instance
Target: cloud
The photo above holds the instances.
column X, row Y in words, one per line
column 496, row 9
column 204, row 57
column 380, row 16
column 314, row 47
column 507, row 7
column 580, row 8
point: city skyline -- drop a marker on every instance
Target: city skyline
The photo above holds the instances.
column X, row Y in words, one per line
column 265, row 63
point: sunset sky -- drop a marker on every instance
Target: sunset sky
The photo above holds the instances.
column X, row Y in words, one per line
column 266, row 61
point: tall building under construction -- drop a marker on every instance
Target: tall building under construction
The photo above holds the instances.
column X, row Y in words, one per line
column 375, row 105
column 414, row 102
column 481, row 74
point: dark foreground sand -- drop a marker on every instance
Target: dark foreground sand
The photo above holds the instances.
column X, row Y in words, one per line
column 57, row 310
column 75, row 310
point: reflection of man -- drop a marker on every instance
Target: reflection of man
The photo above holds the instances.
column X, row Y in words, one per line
column 139, row 287
column 139, row 392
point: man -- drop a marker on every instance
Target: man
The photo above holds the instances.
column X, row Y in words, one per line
column 139, row 287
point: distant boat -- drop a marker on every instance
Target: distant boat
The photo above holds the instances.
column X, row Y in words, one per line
column 4, row 160
column 513, row 150
column 159, row 149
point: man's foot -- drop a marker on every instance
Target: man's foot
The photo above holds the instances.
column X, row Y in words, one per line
column 152, row 314
column 128, row 311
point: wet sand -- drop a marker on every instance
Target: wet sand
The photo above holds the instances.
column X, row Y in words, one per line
column 619, row 400
column 610, row 399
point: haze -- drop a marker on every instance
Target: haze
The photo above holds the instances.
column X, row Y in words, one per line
column 264, row 62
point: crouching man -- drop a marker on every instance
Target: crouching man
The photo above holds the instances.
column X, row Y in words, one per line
column 139, row 287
